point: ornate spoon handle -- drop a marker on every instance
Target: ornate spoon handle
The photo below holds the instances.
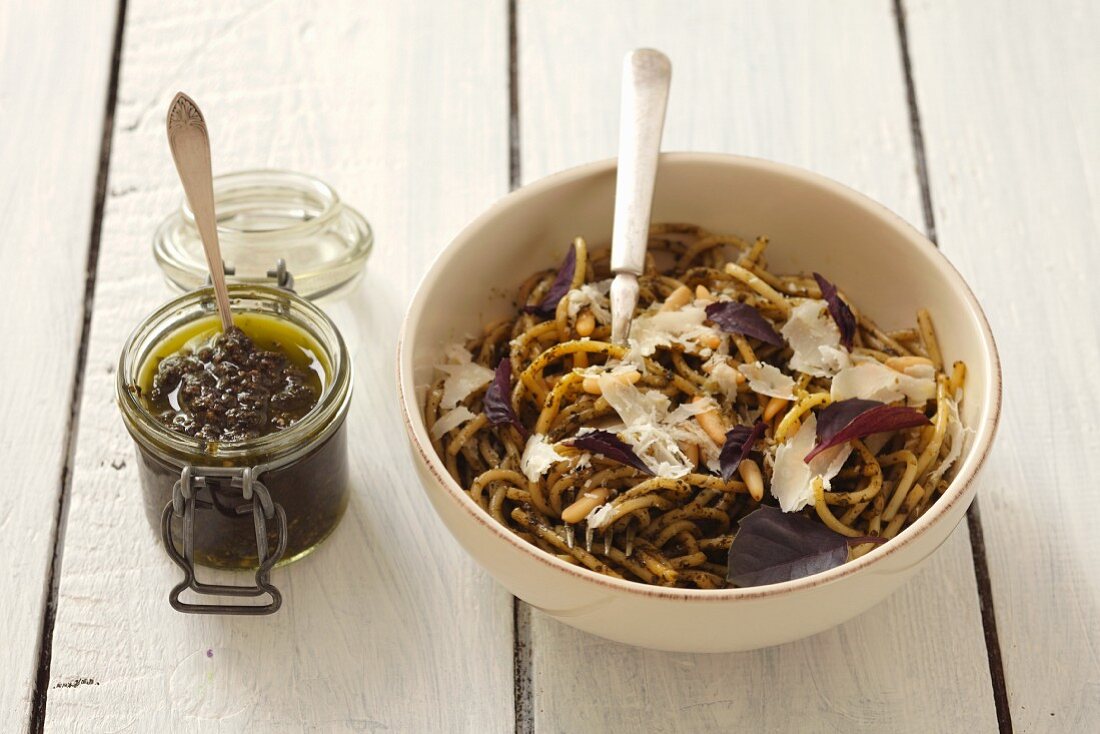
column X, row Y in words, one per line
column 190, row 144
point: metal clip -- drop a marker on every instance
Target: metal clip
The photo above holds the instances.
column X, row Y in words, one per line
column 226, row 268
column 282, row 276
column 184, row 504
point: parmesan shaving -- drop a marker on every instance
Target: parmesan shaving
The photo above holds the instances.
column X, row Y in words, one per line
column 599, row 515
column 456, row 353
column 683, row 327
column 450, row 421
column 463, row 375
column 792, row 477
column 815, row 340
column 872, row 380
column 646, row 425
column 766, row 379
column 921, row 371
column 725, row 377
column 957, row 435
column 682, row 427
column 538, row 456
column 592, row 296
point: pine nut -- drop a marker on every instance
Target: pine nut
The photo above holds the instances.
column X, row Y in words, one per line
column 702, row 293
column 584, row 504
column 677, row 299
column 691, row 451
column 591, row 383
column 750, row 472
column 711, row 422
column 774, row 406
column 586, row 323
column 712, row 341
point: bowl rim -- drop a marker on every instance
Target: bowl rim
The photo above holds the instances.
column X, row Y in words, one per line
column 985, row 430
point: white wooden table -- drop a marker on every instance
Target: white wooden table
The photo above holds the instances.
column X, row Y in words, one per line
column 978, row 122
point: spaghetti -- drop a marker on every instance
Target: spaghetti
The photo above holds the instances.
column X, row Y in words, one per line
column 671, row 395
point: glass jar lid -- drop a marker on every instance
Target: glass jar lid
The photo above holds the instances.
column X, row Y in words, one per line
column 265, row 215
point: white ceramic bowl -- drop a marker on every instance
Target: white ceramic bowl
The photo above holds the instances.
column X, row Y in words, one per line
column 882, row 263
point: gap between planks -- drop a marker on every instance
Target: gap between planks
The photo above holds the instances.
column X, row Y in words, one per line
column 973, row 515
column 523, row 696
column 45, row 641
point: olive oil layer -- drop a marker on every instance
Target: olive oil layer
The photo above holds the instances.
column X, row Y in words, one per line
column 233, row 387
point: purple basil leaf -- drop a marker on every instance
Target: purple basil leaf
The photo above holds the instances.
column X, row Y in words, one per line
column 609, row 445
column 772, row 546
column 498, row 398
column 739, row 442
column 740, row 318
column 564, row 279
column 836, row 415
column 838, row 309
column 855, row 418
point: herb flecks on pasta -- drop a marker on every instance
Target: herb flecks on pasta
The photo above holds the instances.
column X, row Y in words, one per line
column 738, row 388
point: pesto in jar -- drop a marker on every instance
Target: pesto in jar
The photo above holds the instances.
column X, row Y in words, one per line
column 261, row 377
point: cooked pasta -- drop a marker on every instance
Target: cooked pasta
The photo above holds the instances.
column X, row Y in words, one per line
column 669, row 511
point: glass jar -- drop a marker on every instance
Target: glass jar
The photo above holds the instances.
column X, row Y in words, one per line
column 263, row 216
column 250, row 504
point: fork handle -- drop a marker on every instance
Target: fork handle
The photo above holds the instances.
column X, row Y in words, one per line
column 646, row 75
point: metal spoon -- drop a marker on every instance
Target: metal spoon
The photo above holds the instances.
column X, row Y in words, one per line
column 646, row 75
column 190, row 144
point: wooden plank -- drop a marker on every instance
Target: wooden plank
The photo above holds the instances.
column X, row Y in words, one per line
column 816, row 85
column 388, row 626
column 54, row 64
column 1011, row 119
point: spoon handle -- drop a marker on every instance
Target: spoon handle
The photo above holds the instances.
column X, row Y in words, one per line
column 190, row 145
column 646, row 75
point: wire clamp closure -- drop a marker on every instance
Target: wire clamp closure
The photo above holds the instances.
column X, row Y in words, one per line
column 212, row 482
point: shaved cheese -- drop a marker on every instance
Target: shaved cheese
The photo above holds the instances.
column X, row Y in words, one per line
column 634, row 406
column 691, row 432
column 921, row 371
column 538, row 456
column 872, row 380
column 725, row 377
column 813, row 336
column 835, row 358
column 456, row 354
column 463, row 375
column 654, row 431
column 769, row 380
column 690, row 409
column 683, row 327
column 450, row 420
column 792, row 477
column 592, row 296
column 682, row 427
column 599, row 516
column 957, row 435
column 642, row 414
column 646, row 425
